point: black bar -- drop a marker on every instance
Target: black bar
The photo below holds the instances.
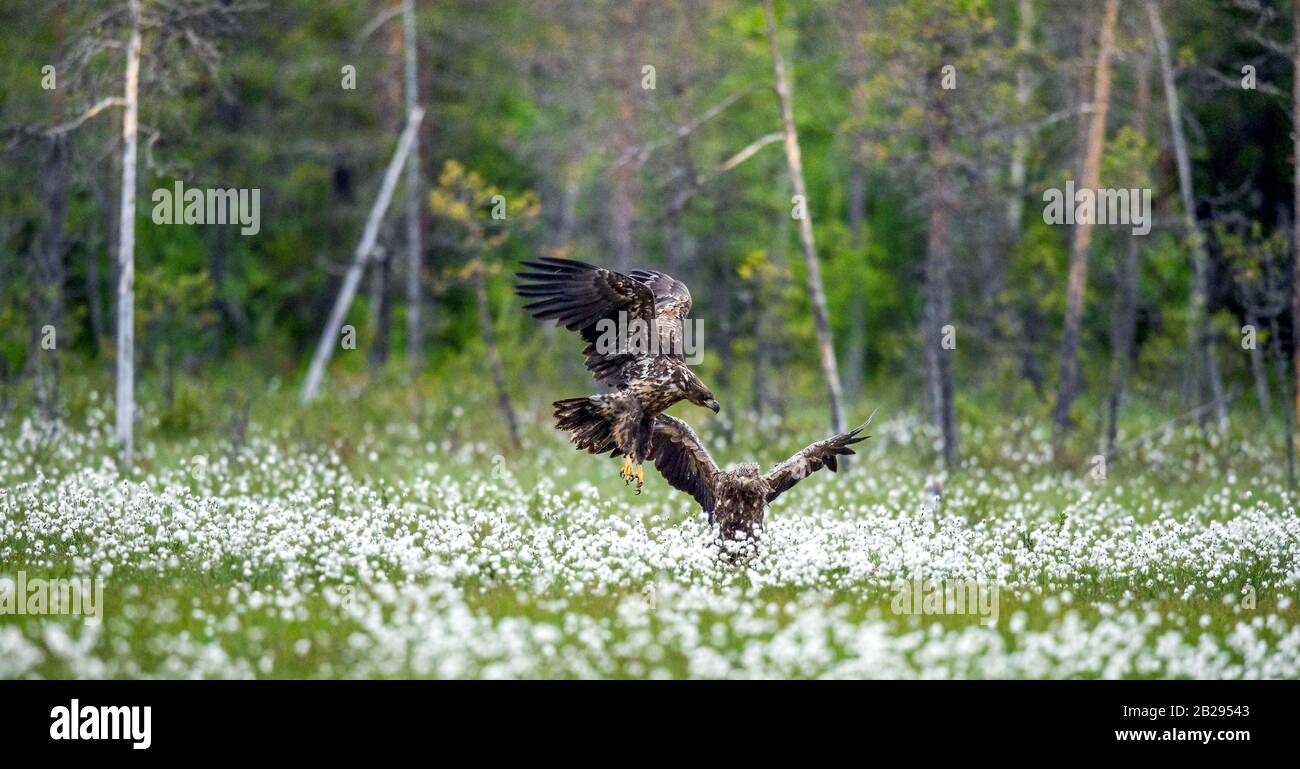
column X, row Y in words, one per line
column 534, row 719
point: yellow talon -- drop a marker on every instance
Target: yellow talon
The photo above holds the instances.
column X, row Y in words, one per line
column 625, row 472
column 640, row 477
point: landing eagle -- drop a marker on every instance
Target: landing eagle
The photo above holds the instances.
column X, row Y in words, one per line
column 648, row 373
column 736, row 499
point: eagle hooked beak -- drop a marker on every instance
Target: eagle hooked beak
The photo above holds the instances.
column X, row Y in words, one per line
column 713, row 405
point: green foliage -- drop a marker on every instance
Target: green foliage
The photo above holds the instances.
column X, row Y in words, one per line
column 532, row 96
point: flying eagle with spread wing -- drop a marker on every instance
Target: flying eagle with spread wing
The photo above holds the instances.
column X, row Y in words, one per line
column 646, row 367
column 736, row 499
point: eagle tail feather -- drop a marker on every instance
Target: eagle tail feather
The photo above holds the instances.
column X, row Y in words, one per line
column 588, row 424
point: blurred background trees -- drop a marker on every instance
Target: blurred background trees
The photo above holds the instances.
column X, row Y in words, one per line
column 652, row 135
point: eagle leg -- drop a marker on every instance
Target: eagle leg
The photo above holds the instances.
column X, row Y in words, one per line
column 625, row 472
column 640, row 477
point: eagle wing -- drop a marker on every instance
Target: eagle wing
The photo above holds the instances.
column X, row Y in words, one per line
column 579, row 296
column 820, row 454
column 672, row 297
column 682, row 460
column 672, row 305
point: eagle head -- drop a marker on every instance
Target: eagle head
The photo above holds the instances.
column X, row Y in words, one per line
column 700, row 395
column 748, row 481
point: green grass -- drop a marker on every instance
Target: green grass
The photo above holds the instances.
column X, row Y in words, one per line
column 473, row 541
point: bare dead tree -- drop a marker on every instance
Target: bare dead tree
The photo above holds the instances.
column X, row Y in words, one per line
column 414, row 330
column 330, row 334
column 816, row 292
column 1200, row 347
column 126, row 245
column 1295, row 236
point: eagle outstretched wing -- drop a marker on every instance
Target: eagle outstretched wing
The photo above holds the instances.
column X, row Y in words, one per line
column 682, row 460
column 672, row 305
column 579, row 296
column 820, row 454
column 672, row 297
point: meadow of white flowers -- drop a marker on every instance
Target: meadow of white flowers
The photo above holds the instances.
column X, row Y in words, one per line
column 395, row 556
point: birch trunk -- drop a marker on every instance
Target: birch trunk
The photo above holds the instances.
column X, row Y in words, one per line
column 126, row 247
column 329, row 338
column 1082, row 236
column 1200, row 343
column 817, row 294
column 414, row 331
column 1295, row 220
column 1020, row 142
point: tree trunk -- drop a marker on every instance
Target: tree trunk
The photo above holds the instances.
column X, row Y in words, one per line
column 414, row 331
column 1288, row 405
column 766, row 286
column 675, row 248
column 1200, row 342
column 94, row 282
column 759, row 367
column 383, row 277
column 94, row 297
column 1085, row 51
column 1082, row 236
column 817, row 294
column 1020, row 142
column 113, row 226
column 1259, row 373
column 49, row 269
column 126, row 247
column 47, row 293
column 1123, row 323
column 938, row 286
column 169, row 375
column 493, row 354
column 856, row 347
column 1017, row 321
column 1295, row 221
column 1124, row 314
column 626, row 175
column 329, row 338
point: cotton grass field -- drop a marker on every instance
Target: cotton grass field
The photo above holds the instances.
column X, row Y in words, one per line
column 339, row 543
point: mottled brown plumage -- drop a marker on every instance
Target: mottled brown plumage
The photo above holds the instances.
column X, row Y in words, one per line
column 593, row 300
column 736, row 499
column 647, row 370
